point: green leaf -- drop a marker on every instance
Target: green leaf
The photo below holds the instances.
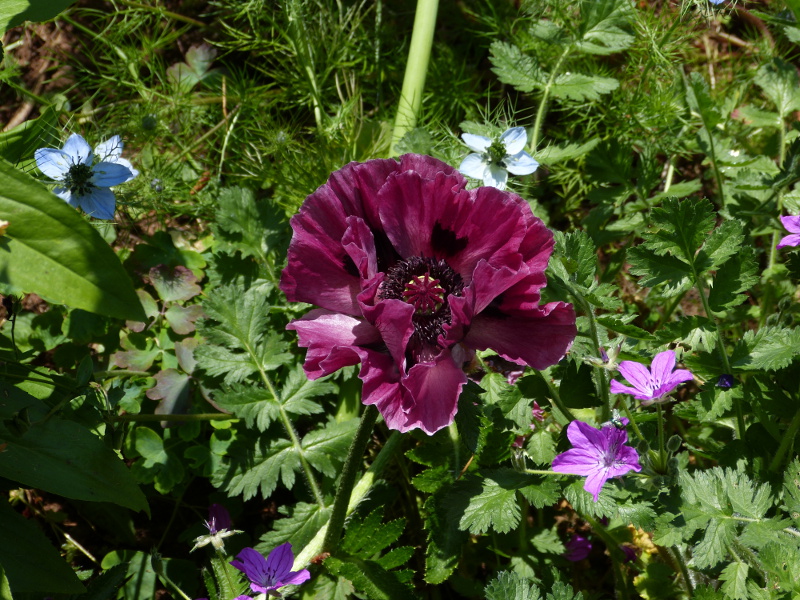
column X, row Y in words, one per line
column 509, row 585
column 578, row 255
column 734, row 577
column 301, row 524
column 161, row 467
column 51, row 250
column 725, row 241
column 64, row 458
column 681, row 226
column 445, row 538
column 616, row 324
column 174, row 284
column 370, row 578
column 368, row 536
column 21, row 142
column 580, row 87
column 516, row 69
column 655, row 269
column 31, row 563
column 737, row 275
column 244, row 224
column 508, row 399
column 473, row 425
column 791, row 490
column 781, row 85
column 603, row 27
column 15, row 12
column 698, row 97
column 553, row 155
column 770, row 348
column 577, row 390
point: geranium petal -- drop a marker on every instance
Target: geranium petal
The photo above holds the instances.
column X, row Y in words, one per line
column 662, row 366
column 618, row 388
column 435, row 387
column 78, row 149
column 595, row 481
column 583, row 436
column 99, row 203
column 514, row 140
column 280, row 560
column 637, row 374
column 474, row 165
column 478, row 143
column 495, row 176
column 521, row 164
column 789, row 240
column 108, row 174
column 332, row 340
column 539, row 339
column 576, row 462
column 792, row 224
column 295, row 578
column 52, row 162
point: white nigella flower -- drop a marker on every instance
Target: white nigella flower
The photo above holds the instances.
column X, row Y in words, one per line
column 85, row 176
column 492, row 161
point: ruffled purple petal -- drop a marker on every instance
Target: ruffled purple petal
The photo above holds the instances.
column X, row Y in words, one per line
column 435, row 387
column 333, row 340
column 359, row 244
column 393, row 319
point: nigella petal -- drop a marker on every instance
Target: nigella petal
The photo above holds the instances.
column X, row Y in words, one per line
column 540, row 338
column 496, row 177
column 54, row 163
column 521, row 164
column 99, row 203
column 78, row 149
column 514, row 140
column 110, row 150
column 473, row 166
column 107, row 174
column 435, row 387
column 478, row 143
column 333, row 340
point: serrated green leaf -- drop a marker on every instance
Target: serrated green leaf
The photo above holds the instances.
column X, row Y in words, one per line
column 781, row 84
column 432, row 479
column 301, row 524
column 15, row 12
column 698, row 97
column 737, row 275
column 655, row 269
column 725, row 241
column 791, row 491
column 770, row 348
column 615, row 324
column 580, row 87
column 370, row 578
column 541, row 447
column 734, row 577
column 509, row 585
column 603, row 27
column 563, row 591
column 244, row 224
column 578, row 254
column 368, row 536
column 508, row 398
column 445, row 538
column 472, row 423
column 552, row 155
column 516, row 69
column 577, row 390
column 681, row 226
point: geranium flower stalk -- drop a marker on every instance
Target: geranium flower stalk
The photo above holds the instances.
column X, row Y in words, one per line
column 413, row 273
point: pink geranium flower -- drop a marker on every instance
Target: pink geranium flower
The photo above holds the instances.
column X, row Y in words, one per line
column 599, row 455
column 412, row 274
column 653, row 384
column 792, row 225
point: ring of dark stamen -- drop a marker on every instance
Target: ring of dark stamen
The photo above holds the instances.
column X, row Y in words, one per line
column 427, row 327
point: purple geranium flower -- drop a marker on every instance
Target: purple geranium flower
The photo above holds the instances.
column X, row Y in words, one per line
column 268, row 574
column 651, row 385
column 600, row 455
column 413, row 273
column 792, row 225
column 578, row 548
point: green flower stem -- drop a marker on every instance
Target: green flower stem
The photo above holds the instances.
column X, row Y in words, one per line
column 419, row 55
column 662, row 450
column 538, row 472
column 172, row 418
column 540, row 113
column 556, row 399
column 347, row 479
column 769, row 289
column 602, row 375
column 633, row 424
column 676, row 557
column 740, row 427
column 786, row 441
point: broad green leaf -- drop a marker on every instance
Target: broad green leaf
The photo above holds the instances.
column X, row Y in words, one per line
column 368, row 536
column 563, row 591
column 301, row 524
column 516, row 69
column 51, row 250
column 577, row 252
column 698, row 97
column 769, row 348
column 791, row 490
column 553, row 155
column 64, row 458
column 15, row 12
column 580, row 87
column 681, row 226
column 725, row 241
column 577, row 390
column 158, row 465
column 244, row 224
column 603, row 26
column 29, row 560
column 614, row 323
column 736, row 276
column 370, row 578
column 473, row 425
column 655, row 269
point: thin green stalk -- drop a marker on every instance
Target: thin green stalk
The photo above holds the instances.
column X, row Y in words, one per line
column 740, row 427
column 347, row 479
column 786, row 441
column 419, row 54
column 539, row 472
column 173, row 418
column 556, row 399
column 662, row 450
column 613, row 550
column 633, row 424
column 542, row 110
column 675, row 554
column 161, row 11
column 299, row 40
column 602, row 375
column 769, row 291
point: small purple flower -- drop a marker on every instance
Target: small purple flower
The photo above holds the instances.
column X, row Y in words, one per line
column 629, row 552
column 792, row 225
column 651, row 385
column 578, row 548
column 600, row 455
column 725, row 381
column 268, row 574
column 219, row 527
column 413, row 273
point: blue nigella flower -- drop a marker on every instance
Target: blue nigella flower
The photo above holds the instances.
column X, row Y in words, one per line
column 492, row 161
column 85, row 176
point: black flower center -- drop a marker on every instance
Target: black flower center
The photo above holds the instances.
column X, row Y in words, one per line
column 78, row 179
column 425, row 284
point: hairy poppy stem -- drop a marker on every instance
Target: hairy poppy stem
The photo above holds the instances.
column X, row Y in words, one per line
column 347, row 479
column 419, row 55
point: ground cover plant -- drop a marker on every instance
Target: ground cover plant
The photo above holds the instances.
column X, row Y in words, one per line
column 333, row 299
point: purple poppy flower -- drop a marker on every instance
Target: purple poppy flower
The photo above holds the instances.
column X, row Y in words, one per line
column 269, row 574
column 219, row 527
column 792, row 225
column 412, row 274
column 578, row 548
column 600, row 455
column 651, row 385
